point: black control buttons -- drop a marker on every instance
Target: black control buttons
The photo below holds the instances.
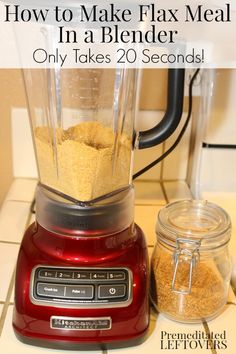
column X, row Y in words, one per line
column 47, row 274
column 70, row 286
column 99, row 275
column 82, row 275
column 83, row 292
column 64, row 274
column 51, row 290
column 111, row 291
column 116, row 275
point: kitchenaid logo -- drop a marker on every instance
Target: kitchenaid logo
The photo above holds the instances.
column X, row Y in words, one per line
column 76, row 323
column 194, row 340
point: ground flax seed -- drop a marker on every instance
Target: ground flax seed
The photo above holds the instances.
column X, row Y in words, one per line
column 207, row 295
column 84, row 161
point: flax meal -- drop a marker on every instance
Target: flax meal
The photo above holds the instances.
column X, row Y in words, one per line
column 207, row 296
column 82, row 164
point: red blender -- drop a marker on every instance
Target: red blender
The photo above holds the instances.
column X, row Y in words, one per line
column 82, row 270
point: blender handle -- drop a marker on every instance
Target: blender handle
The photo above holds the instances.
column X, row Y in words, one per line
column 171, row 119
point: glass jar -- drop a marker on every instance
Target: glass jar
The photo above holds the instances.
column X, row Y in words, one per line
column 191, row 266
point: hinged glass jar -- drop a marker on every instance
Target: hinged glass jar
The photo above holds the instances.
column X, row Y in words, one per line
column 191, row 266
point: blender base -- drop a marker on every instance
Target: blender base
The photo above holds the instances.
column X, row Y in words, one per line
column 53, row 321
column 82, row 346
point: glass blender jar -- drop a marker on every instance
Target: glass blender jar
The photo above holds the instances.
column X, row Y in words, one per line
column 82, row 270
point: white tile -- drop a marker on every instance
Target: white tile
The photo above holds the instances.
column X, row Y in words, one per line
column 32, row 219
column 8, row 259
column 148, row 119
column 165, row 325
column 145, row 217
column 150, row 251
column 177, row 190
column 12, row 295
column 22, row 145
column 231, row 296
column 148, row 193
column 1, row 307
column 145, row 156
column 11, row 345
column 13, row 218
column 22, row 189
column 175, row 165
column 217, row 172
column 152, row 345
column 226, row 322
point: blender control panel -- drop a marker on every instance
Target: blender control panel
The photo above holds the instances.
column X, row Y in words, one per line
column 88, row 287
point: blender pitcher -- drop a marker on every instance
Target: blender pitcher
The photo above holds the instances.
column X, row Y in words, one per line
column 82, row 123
column 83, row 128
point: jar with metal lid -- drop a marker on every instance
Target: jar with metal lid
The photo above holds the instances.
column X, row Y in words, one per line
column 191, row 266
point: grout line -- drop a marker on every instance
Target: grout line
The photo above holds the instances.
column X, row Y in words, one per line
column 141, row 204
column 208, row 333
column 10, row 242
column 18, row 201
column 162, row 162
column 28, row 223
column 160, row 180
column 7, row 303
column 26, row 178
column 2, row 302
column 164, row 192
column 175, row 180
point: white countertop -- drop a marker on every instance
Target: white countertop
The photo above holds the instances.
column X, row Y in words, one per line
column 15, row 216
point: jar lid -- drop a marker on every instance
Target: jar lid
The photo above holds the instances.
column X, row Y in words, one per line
column 194, row 221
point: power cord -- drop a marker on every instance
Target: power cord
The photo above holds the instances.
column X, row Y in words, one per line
column 167, row 152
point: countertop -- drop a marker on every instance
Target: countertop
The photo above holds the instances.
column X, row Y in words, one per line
column 15, row 216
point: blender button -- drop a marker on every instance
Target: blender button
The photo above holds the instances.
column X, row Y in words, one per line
column 111, row 291
column 82, row 275
column 62, row 274
column 51, row 290
column 116, row 276
column 83, row 292
column 99, row 275
column 47, row 273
